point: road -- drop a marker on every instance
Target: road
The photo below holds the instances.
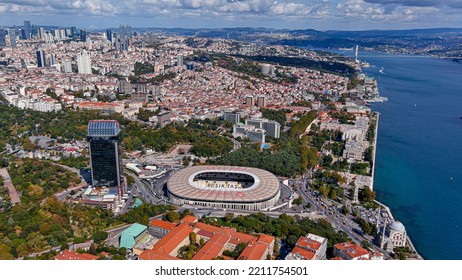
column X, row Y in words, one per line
column 151, row 191
column 339, row 221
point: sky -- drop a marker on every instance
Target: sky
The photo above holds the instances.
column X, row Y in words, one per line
column 279, row 14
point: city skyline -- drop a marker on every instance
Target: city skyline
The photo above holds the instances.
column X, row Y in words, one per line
column 286, row 14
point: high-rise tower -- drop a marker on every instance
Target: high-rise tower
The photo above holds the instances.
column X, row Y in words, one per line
column 106, row 154
column 84, row 63
column 41, row 60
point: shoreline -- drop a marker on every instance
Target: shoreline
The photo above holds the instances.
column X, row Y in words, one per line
column 387, row 209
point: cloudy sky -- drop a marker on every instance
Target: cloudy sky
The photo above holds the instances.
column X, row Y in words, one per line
column 293, row 14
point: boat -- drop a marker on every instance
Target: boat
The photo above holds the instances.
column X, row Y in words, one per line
column 460, row 116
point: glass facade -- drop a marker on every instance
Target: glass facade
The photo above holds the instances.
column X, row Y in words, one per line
column 105, row 153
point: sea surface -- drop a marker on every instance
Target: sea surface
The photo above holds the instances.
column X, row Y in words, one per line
column 419, row 154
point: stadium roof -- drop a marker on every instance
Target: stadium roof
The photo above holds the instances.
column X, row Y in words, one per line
column 266, row 185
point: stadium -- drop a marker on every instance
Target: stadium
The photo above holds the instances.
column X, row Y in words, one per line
column 227, row 187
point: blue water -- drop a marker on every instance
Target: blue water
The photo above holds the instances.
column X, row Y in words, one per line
column 420, row 149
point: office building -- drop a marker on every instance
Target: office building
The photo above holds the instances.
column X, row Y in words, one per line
column 83, row 36
column 106, row 154
column 27, row 30
column 2, row 38
column 109, row 35
column 12, row 36
column 41, row 59
column 84, row 63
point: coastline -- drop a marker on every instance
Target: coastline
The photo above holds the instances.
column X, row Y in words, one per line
column 387, row 209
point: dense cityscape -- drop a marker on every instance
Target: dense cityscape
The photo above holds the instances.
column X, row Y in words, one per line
column 120, row 144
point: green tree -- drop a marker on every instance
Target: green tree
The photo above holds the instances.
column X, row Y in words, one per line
column 172, row 216
column 5, row 252
column 366, row 195
column 99, row 236
column 298, row 201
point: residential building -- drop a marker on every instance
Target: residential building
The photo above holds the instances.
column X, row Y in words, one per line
column 249, row 101
column 309, row 247
column 350, row 251
column 262, row 101
column 84, row 63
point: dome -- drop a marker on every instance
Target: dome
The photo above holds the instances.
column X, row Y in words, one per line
column 395, row 225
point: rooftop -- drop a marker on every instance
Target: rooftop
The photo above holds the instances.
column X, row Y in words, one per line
column 73, row 256
column 128, row 236
column 103, row 128
column 162, row 224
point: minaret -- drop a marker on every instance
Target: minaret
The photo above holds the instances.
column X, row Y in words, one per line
column 383, row 235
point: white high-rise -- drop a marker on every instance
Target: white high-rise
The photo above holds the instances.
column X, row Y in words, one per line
column 84, row 63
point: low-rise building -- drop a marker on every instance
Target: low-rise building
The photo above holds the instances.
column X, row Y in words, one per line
column 160, row 228
column 350, row 251
column 132, row 235
column 309, row 247
column 67, row 255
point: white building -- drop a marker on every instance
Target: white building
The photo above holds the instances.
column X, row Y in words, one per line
column 68, row 66
column 309, row 247
column 84, row 63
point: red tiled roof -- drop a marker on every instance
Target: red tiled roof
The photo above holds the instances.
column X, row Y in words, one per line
column 189, row 219
column 152, row 255
column 207, row 227
column 209, row 251
column 69, row 255
column 162, row 224
column 254, row 251
column 304, row 242
column 305, row 254
column 170, row 241
column 352, row 250
column 267, row 239
column 205, row 233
